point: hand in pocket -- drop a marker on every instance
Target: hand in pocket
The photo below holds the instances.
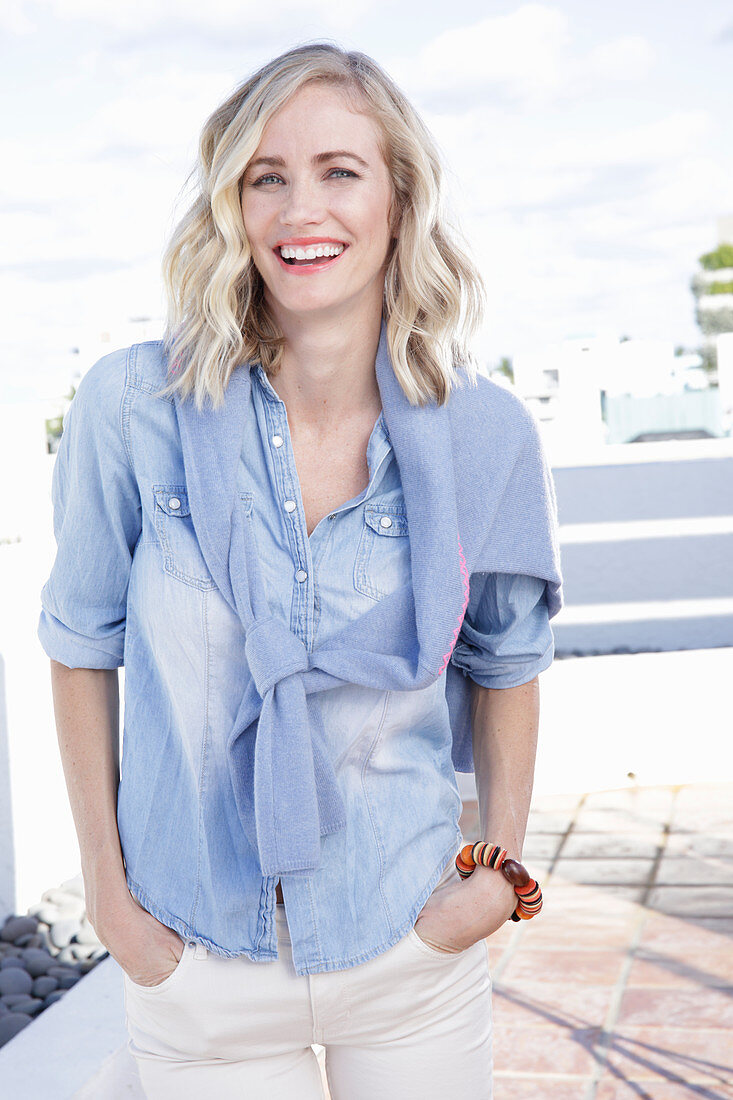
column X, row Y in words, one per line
column 146, row 949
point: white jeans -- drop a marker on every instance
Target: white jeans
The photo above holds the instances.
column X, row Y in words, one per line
column 412, row 1022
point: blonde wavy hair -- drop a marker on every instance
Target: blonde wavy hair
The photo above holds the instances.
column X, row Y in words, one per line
column 217, row 316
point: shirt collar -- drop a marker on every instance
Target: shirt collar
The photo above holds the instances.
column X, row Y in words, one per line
column 379, row 442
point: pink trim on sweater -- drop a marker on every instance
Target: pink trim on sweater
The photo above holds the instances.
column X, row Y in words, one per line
column 466, row 589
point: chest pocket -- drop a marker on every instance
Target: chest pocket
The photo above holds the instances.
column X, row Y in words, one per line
column 182, row 556
column 383, row 554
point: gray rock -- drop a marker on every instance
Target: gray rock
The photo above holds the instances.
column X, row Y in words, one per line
column 13, row 999
column 37, row 962
column 30, row 1005
column 11, row 1024
column 18, row 926
column 15, row 980
column 61, row 971
column 46, row 912
column 74, row 886
column 68, row 981
column 80, row 950
column 87, row 964
column 12, row 951
column 36, row 940
column 52, row 998
column 86, row 934
column 4, row 1010
column 62, row 931
column 12, row 960
column 44, row 985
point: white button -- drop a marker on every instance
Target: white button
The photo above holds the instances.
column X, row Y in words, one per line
column 277, row 441
column 290, row 506
column 301, row 575
column 174, row 502
column 385, row 521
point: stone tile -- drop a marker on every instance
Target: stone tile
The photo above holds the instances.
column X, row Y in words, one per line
column 682, row 968
column 628, row 872
column 611, row 822
column 554, row 802
column 699, row 844
column 702, row 901
column 529, row 1088
column 549, row 822
column 594, row 967
column 540, row 846
column 704, row 808
column 580, row 898
column 612, row 1088
column 626, row 846
column 705, row 1008
column 679, row 935
column 566, row 1006
column 596, row 930
column 652, row 1053
column 635, row 800
column 542, row 1050
column 696, row 871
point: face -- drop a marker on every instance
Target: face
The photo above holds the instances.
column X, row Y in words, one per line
column 316, row 205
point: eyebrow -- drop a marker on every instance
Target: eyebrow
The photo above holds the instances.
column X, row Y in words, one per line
column 319, row 158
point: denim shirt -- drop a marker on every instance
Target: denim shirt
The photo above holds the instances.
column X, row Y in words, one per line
column 130, row 586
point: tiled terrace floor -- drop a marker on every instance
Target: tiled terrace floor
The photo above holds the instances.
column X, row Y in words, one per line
column 622, row 988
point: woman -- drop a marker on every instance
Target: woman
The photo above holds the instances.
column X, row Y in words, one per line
column 287, row 520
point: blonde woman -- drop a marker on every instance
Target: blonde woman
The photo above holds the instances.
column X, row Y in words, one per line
column 324, row 549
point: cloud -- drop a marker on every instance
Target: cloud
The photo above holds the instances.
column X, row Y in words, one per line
column 517, row 56
column 138, row 17
column 70, row 267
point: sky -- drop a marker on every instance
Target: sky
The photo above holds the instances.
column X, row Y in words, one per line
column 588, row 151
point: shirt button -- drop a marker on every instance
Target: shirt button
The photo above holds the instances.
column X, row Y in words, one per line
column 385, row 521
column 289, row 505
column 174, row 502
column 277, row 441
column 301, row 575
column 192, row 943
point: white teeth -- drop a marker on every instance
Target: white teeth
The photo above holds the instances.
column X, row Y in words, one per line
column 312, row 252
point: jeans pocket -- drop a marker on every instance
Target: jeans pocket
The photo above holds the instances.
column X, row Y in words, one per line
column 435, row 952
column 186, row 955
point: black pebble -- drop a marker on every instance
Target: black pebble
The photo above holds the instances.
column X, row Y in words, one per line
column 37, row 962
column 11, row 1024
column 68, row 981
column 18, row 926
column 12, row 960
column 44, row 985
column 52, row 998
column 15, row 980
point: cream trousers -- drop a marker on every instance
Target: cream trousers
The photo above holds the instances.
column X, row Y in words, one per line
column 412, row 1022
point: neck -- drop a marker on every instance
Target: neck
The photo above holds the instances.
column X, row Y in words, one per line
column 327, row 372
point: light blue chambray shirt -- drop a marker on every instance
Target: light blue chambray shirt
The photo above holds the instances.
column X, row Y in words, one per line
column 130, row 586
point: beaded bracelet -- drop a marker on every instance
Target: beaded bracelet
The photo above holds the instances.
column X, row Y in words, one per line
column 527, row 890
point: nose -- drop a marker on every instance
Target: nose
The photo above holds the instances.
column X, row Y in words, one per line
column 303, row 204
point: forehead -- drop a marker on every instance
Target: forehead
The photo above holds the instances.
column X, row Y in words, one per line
column 325, row 116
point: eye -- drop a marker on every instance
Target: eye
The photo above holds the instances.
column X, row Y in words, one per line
column 266, row 179
column 344, row 171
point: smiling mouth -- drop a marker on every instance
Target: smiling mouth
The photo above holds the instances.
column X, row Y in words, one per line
column 305, row 255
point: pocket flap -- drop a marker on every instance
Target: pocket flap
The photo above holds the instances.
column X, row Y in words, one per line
column 172, row 499
column 386, row 519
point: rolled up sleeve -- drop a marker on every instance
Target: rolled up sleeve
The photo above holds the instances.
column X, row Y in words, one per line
column 96, row 522
column 506, row 638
